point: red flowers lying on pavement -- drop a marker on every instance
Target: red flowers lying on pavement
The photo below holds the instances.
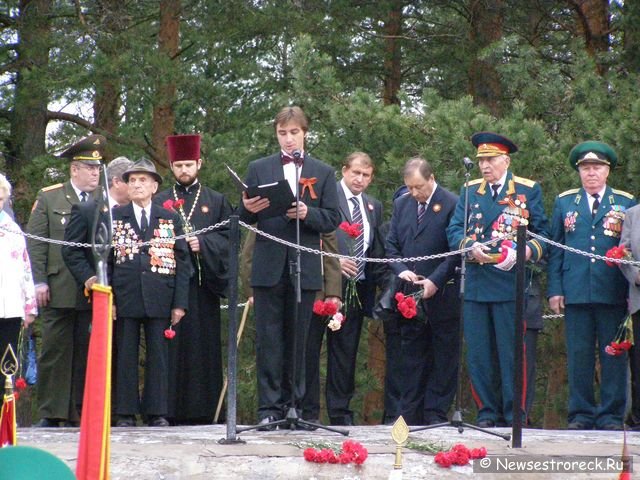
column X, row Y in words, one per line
column 619, row 253
column 352, row 451
column 351, row 229
column 459, row 455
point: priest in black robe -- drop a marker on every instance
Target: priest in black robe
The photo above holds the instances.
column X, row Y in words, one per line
column 195, row 353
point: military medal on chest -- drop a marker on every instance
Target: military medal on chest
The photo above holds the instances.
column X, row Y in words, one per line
column 613, row 220
column 162, row 258
column 125, row 241
column 570, row 221
column 515, row 213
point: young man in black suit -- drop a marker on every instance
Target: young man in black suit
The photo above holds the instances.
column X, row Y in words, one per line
column 428, row 350
column 151, row 289
column 271, row 278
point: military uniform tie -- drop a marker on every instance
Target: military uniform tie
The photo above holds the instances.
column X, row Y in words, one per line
column 144, row 223
column 83, row 196
column 596, row 204
column 495, row 188
column 358, row 246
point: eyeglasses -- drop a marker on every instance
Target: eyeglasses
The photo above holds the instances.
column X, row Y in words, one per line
column 91, row 168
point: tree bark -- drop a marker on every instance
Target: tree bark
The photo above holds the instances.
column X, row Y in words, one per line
column 487, row 17
column 392, row 74
column 29, row 116
column 593, row 25
column 106, row 103
column 163, row 112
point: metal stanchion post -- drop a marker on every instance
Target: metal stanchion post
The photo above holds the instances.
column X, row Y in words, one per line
column 518, row 410
column 234, row 248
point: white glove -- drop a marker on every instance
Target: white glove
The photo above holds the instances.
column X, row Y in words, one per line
column 509, row 259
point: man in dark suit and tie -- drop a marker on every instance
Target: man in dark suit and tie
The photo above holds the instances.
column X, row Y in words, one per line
column 342, row 345
column 422, row 356
column 271, row 279
column 81, row 264
column 151, row 289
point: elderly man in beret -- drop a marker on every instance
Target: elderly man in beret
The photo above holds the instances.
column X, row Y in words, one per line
column 151, row 290
column 498, row 203
column 62, row 329
column 592, row 294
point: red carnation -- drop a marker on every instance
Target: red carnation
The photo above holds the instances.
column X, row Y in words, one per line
column 178, row 203
column 443, row 459
column 169, row 333
column 310, row 455
column 617, row 253
column 21, row 383
column 318, row 307
column 351, row 229
column 168, row 204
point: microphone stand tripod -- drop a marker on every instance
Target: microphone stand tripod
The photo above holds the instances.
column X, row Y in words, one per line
column 456, row 418
column 292, row 420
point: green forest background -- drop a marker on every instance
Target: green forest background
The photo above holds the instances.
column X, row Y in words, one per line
column 393, row 78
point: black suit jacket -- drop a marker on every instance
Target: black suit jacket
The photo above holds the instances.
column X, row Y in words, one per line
column 373, row 212
column 408, row 239
column 138, row 290
column 79, row 260
column 271, row 258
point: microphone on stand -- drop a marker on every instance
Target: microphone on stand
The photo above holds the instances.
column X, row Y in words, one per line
column 297, row 155
column 468, row 164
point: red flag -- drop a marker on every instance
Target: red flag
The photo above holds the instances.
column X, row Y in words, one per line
column 8, row 421
column 95, row 425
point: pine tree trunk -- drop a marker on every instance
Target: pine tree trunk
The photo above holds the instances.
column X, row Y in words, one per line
column 392, row 54
column 487, row 17
column 29, row 117
column 593, row 25
column 163, row 112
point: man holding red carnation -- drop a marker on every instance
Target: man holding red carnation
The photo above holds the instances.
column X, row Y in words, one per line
column 592, row 294
column 360, row 215
column 422, row 358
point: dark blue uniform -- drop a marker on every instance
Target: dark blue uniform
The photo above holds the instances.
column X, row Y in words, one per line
column 595, row 301
column 489, row 308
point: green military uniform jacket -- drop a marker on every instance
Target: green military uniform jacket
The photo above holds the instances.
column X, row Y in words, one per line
column 49, row 217
column 578, row 278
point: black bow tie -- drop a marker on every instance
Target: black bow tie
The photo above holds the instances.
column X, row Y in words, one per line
column 288, row 159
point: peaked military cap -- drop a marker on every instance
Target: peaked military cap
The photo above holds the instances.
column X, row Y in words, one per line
column 491, row 144
column 144, row 165
column 592, row 152
column 89, row 150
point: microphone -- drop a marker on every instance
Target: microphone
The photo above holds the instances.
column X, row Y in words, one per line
column 297, row 156
column 468, row 164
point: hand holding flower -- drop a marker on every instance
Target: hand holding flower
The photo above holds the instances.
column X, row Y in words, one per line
column 429, row 288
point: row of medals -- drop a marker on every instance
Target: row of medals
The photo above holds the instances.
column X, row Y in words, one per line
column 161, row 251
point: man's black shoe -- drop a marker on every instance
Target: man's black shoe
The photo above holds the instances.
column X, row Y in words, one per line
column 264, row 427
column 47, row 423
column 158, row 421
column 486, row 423
column 578, row 426
column 126, row 421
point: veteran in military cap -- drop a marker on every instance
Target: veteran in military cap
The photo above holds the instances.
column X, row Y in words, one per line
column 151, row 290
column 592, row 294
column 498, row 203
column 62, row 330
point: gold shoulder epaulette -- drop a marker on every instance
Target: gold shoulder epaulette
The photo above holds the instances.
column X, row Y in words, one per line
column 53, row 187
column 524, row 181
column 476, row 181
column 623, row 193
column 569, row 192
